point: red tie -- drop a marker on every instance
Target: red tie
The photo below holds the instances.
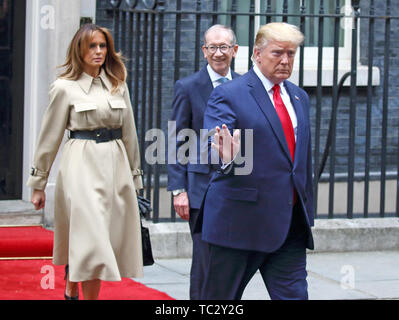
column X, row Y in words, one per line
column 285, row 120
column 286, row 123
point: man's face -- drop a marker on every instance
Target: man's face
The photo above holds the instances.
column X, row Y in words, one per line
column 276, row 60
column 219, row 61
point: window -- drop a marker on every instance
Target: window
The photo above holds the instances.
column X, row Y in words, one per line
column 312, row 7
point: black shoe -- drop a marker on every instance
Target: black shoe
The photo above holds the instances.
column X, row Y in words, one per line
column 65, row 278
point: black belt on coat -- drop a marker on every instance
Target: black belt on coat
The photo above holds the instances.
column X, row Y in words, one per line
column 99, row 135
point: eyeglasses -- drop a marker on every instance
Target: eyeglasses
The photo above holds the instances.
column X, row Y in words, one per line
column 223, row 48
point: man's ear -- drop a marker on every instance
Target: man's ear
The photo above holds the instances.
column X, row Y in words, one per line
column 235, row 50
column 204, row 51
column 256, row 54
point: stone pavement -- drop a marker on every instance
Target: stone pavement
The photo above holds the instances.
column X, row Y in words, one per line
column 331, row 276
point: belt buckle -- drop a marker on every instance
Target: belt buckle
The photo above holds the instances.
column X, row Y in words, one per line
column 102, row 135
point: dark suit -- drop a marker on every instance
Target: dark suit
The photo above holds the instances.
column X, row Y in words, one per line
column 255, row 213
column 190, row 101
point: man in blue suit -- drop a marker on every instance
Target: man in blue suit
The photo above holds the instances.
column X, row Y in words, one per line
column 188, row 181
column 260, row 220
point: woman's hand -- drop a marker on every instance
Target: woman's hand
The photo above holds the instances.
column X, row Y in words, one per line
column 38, row 199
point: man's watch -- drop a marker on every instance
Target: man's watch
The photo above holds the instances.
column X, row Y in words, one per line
column 178, row 191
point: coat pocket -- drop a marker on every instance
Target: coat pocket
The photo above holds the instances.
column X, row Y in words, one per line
column 84, row 106
column 117, row 104
column 240, row 194
column 198, row 168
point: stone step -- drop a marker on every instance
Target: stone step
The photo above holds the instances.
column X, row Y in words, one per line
column 19, row 212
column 173, row 240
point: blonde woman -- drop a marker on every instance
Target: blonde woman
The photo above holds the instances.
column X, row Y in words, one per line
column 96, row 219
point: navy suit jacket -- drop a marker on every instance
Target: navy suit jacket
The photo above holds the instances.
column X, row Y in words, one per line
column 190, row 101
column 253, row 211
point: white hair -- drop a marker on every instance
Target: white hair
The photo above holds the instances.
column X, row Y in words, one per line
column 221, row 26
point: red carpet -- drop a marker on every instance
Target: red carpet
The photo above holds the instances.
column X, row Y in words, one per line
column 25, row 242
column 39, row 279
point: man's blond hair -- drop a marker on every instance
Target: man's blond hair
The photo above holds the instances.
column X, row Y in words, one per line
column 278, row 31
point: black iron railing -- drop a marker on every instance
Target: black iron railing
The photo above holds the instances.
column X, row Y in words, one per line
column 355, row 116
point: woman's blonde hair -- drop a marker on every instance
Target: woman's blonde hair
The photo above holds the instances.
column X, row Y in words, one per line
column 113, row 65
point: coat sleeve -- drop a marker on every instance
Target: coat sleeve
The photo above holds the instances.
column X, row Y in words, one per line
column 130, row 140
column 51, row 133
column 181, row 115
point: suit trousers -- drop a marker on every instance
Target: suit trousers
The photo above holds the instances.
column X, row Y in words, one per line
column 199, row 257
column 283, row 271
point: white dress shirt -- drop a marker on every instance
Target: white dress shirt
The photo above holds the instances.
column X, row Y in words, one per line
column 284, row 96
column 216, row 76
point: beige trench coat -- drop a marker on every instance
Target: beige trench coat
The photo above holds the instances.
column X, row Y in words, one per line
column 96, row 219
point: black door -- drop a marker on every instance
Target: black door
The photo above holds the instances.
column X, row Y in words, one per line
column 12, row 59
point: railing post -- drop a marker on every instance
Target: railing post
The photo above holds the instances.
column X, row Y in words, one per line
column 161, row 4
column 285, row 10
column 368, row 112
column 319, row 96
column 215, row 9
column 150, row 123
column 197, row 35
column 268, row 10
column 333, row 120
column 385, row 106
column 251, row 32
column 302, row 47
column 352, row 111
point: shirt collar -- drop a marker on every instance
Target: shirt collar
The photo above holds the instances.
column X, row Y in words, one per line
column 85, row 81
column 216, row 76
column 265, row 81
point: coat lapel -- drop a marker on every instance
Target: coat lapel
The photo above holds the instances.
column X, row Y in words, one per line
column 205, row 85
column 262, row 98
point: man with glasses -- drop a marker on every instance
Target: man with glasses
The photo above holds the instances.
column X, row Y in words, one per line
column 188, row 182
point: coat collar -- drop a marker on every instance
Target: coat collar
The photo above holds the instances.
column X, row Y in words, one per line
column 85, row 81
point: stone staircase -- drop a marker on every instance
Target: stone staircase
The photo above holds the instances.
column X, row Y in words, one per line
column 19, row 212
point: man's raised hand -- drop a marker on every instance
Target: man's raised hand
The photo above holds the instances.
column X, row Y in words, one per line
column 226, row 144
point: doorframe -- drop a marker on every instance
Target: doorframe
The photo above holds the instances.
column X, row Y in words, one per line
column 15, row 158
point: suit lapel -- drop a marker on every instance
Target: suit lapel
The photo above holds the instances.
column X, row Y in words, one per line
column 205, row 85
column 262, row 98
